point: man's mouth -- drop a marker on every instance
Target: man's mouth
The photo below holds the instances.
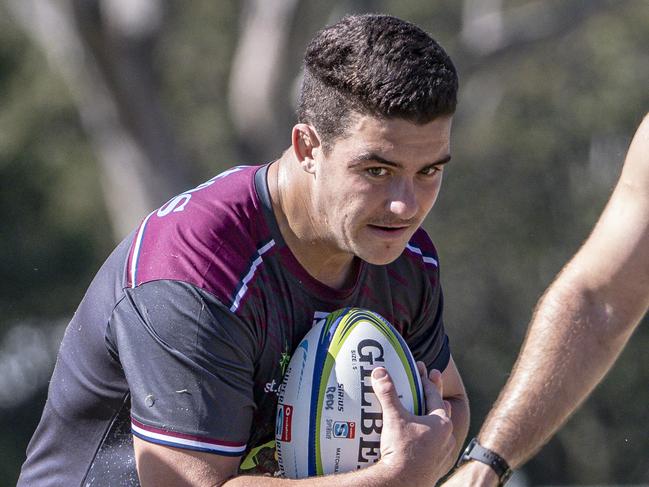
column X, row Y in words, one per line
column 388, row 230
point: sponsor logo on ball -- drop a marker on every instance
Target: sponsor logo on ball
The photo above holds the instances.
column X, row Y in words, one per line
column 283, row 423
column 344, row 429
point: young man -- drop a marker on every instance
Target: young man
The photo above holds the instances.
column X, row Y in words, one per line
column 174, row 357
column 580, row 326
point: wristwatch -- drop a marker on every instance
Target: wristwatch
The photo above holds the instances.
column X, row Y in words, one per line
column 475, row 451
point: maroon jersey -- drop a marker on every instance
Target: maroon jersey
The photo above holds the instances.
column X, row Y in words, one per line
column 183, row 336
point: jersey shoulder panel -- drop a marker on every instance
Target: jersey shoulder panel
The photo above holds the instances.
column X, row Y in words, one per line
column 421, row 249
column 418, row 263
column 210, row 236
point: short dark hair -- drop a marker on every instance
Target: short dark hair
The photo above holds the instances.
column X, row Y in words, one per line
column 374, row 65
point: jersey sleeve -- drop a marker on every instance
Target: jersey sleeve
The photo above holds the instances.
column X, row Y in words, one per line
column 189, row 364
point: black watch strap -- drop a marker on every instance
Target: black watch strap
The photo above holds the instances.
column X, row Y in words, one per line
column 475, row 451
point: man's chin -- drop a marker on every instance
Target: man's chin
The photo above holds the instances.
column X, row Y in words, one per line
column 383, row 257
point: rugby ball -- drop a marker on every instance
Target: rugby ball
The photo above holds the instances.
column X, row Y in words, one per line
column 328, row 418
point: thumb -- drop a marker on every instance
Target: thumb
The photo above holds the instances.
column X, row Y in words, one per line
column 386, row 392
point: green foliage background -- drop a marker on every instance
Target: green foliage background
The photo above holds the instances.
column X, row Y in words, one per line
column 539, row 139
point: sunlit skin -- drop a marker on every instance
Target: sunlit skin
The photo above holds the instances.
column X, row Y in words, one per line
column 364, row 197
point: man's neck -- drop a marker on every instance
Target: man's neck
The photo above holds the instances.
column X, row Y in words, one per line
column 289, row 188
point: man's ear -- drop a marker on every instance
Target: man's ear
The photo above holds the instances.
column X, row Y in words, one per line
column 306, row 144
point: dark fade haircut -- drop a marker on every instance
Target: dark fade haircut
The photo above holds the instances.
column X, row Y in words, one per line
column 375, row 65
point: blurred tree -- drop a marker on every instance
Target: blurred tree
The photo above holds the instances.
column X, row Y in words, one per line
column 103, row 50
column 52, row 236
column 260, row 83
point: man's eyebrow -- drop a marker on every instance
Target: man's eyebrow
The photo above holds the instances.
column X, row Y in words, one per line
column 444, row 160
column 371, row 156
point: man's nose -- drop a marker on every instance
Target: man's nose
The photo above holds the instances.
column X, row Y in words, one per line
column 403, row 199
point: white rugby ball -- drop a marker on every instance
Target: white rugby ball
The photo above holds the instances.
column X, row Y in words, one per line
column 328, row 418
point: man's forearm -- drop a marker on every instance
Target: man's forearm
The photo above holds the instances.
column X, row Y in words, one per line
column 580, row 326
column 583, row 321
column 572, row 342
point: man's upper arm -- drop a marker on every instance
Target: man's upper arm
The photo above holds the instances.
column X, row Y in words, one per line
column 162, row 466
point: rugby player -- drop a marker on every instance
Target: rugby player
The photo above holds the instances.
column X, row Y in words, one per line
column 168, row 373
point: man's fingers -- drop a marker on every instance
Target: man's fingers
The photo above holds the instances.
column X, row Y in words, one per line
column 447, row 408
column 386, row 392
column 421, row 368
column 435, row 377
column 434, row 399
column 432, row 384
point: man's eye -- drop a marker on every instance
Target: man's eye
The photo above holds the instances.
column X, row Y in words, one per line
column 429, row 171
column 377, row 171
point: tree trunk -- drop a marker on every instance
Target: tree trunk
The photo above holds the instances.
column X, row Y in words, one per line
column 102, row 50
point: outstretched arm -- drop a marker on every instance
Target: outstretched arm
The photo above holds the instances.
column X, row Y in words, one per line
column 580, row 326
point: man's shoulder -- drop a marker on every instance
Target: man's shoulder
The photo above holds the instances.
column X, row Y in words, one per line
column 207, row 236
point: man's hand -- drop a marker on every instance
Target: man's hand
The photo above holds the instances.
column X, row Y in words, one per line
column 417, row 450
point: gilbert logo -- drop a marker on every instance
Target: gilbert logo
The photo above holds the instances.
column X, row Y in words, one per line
column 369, row 447
column 283, row 423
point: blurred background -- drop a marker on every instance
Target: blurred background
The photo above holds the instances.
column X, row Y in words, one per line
column 110, row 107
